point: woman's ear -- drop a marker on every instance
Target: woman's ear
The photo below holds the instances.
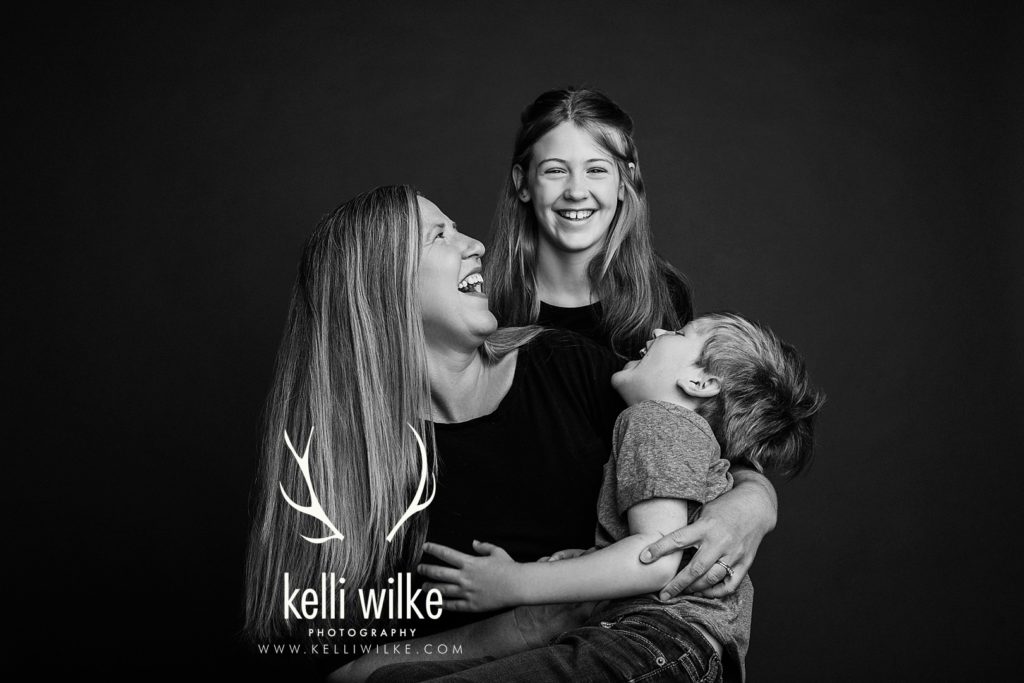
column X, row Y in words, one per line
column 519, row 180
column 704, row 386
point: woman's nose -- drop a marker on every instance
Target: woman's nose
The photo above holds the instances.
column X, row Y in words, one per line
column 472, row 247
column 658, row 332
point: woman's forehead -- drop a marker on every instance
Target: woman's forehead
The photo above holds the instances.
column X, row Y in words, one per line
column 430, row 213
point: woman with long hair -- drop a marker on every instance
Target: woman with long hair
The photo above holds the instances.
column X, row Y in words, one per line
column 388, row 332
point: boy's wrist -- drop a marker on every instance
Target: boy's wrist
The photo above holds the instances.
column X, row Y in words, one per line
column 518, row 584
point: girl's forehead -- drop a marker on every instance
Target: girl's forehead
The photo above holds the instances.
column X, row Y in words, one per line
column 568, row 139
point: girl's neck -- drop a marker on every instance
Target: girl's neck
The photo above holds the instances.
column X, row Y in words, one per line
column 463, row 385
column 562, row 277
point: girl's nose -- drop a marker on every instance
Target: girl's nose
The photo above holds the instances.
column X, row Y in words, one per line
column 575, row 189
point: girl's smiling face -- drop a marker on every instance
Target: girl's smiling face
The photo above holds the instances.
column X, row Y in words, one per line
column 450, row 283
column 574, row 186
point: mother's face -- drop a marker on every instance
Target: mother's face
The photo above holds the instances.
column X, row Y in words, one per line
column 450, row 286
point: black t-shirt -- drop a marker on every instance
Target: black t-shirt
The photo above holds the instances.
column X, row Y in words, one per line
column 586, row 320
column 526, row 477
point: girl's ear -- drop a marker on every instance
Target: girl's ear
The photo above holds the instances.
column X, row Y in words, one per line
column 703, row 386
column 519, row 180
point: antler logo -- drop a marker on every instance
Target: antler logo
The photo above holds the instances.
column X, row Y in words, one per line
column 315, row 510
column 417, row 505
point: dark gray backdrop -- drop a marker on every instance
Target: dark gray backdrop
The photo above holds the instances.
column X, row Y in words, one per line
column 841, row 171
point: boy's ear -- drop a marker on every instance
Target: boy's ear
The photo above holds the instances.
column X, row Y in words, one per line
column 519, row 180
column 704, row 386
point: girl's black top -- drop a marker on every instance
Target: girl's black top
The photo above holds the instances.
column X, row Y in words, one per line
column 526, row 477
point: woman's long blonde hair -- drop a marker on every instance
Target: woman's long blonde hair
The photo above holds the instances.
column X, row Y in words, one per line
column 638, row 290
column 351, row 366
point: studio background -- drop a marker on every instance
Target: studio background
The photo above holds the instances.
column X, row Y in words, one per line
column 845, row 172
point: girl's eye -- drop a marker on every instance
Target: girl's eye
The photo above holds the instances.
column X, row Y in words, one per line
column 552, row 171
column 598, row 169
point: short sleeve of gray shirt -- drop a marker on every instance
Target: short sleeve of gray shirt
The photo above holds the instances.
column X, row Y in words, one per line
column 660, row 450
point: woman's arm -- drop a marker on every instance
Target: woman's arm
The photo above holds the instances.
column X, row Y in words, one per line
column 729, row 530
column 493, row 580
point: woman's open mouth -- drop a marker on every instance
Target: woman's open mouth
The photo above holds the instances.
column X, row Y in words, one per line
column 576, row 215
column 472, row 284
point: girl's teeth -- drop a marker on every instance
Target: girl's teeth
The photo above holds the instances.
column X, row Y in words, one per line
column 577, row 215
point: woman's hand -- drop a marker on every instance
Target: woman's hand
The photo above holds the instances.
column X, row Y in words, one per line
column 473, row 583
column 727, row 534
column 566, row 554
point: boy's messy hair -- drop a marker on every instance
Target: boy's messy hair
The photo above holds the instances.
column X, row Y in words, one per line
column 764, row 413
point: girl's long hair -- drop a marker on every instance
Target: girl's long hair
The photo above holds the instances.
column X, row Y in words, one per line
column 352, row 367
column 638, row 289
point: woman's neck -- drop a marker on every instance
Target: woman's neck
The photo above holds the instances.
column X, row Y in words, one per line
column 562, row 277
column 463, row 385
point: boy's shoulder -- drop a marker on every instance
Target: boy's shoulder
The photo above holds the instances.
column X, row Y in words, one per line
column 653, row 416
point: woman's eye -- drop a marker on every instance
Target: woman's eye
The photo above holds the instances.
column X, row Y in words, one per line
column 599, row 170
column 553, row 171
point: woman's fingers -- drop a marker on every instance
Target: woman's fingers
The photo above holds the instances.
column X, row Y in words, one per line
column 677, row 540
column 443, row 552
column 457, row 605
column 729, row 586
column 567, row 554
column 440, row 574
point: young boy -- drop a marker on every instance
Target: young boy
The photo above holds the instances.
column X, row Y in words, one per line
column 721, row 385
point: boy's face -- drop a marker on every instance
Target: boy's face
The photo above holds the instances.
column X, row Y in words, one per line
column 668, row 369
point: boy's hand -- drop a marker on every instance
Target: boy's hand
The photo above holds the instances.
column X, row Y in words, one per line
column 473, row 583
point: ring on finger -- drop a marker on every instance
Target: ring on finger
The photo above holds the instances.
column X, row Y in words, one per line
column 728, row 570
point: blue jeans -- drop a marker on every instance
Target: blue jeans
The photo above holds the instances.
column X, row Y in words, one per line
column 619, row 643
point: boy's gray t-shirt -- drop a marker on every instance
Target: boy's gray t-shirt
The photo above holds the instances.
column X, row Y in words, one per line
column 664, row 450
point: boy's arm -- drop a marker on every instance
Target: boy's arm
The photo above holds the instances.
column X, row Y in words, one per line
column 729, row 530
column 493, row 580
